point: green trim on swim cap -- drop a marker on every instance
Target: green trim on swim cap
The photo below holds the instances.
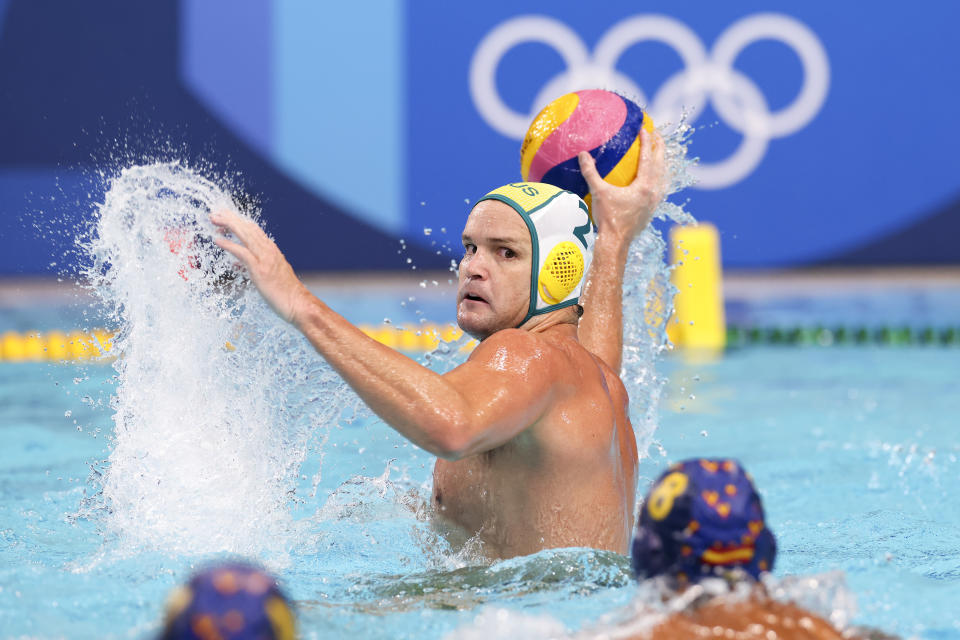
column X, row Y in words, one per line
column 528, row 198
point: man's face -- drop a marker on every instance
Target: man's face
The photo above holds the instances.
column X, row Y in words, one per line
column 494, row 288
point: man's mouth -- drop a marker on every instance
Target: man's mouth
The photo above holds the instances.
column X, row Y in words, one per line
column 473, row 298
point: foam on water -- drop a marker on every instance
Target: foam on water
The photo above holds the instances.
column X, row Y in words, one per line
column 216, row 399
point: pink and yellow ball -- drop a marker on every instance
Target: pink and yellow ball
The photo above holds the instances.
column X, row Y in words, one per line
column 602, row 122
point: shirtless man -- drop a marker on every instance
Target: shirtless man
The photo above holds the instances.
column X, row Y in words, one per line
column 534, row 446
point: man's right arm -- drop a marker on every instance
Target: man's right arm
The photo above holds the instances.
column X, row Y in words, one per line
column 620, row 213
column 503, row 388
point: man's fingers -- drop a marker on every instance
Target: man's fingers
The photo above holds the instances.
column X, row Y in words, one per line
column 658, row 165
column 658, row 152
column 239, row 251
column 245, row 230
column 650, row 170
column 589, row 170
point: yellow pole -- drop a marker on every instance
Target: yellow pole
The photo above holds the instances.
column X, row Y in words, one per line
column 698, row 305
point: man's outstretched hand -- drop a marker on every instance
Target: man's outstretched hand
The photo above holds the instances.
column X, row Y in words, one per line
column 625, row 211
column 268, row 269
column 620, row 213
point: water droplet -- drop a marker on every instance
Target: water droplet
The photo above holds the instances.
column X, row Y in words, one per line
column 427, row 231
column 704, row 433
column 67, row 414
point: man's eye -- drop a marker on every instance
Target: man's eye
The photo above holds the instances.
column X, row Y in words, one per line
column 469, row 248
column 507, row 253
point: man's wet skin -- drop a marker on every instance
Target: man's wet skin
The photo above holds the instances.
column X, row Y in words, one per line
column 757, row 617
column 569, row 478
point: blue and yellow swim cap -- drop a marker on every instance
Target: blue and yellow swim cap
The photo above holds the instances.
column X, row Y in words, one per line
column 230, row 602
column 702, row 518
column 562, row 234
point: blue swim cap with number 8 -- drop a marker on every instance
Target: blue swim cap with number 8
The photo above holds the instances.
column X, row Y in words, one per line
column 702, row 518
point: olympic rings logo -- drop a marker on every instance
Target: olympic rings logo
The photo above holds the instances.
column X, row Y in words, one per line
column 735, row 97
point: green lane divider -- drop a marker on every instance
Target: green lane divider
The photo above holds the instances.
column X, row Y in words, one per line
column 738, row 336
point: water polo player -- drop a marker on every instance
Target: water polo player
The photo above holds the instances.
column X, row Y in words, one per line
column 703, row 519
column 534, row 446
column 231, row 601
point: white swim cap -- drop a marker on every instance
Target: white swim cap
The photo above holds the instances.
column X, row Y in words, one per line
column 562, row 234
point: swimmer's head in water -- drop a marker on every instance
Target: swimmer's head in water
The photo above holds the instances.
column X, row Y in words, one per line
column 702, row 518
column 229, row 601
column 562, row 234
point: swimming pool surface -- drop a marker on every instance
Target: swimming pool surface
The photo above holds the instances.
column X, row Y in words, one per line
column 854, row 449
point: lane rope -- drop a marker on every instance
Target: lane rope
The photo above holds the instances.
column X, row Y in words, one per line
column 97, row 345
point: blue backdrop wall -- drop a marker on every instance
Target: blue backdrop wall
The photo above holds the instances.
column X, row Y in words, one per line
column 825, row 132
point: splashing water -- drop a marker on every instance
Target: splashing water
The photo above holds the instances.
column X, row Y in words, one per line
column 648, row 296
column 212, row 409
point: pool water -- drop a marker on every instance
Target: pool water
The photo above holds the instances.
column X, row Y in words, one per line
column 220, row 432
column 854, row 451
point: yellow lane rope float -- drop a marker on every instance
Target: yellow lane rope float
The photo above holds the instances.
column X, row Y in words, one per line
column 57, row 346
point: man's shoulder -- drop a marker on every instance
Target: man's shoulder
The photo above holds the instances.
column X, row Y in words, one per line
column 522, row 342
column 512, row 338
column 785, row 619
column 535, row 353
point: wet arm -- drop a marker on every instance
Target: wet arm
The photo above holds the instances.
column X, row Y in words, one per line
column 601, row 327
column 476, row 407
column 620, row 213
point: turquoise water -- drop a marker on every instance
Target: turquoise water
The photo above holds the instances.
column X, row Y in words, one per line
column 116, row 481
column 854, row 450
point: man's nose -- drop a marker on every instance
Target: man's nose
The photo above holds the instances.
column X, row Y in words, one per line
column 476, row 265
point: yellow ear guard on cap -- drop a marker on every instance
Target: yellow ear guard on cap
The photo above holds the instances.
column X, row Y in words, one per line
column 561, row 272
column 562, row 236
